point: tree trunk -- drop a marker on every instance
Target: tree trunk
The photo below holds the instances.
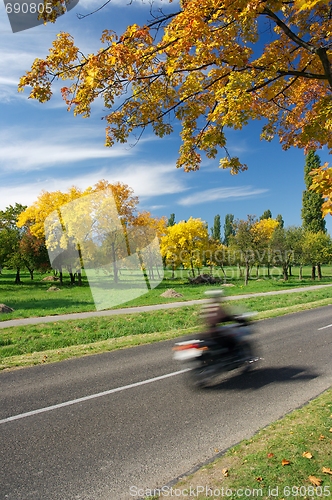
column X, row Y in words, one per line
column 285, row 272
column 300, row 272
column 246, row 279
column 313, row 272
column 30, row 272
column 319, row 271
column 290, row 270
column 79, row 277
column 115, row 269
column 61, row 277
column 18, row 277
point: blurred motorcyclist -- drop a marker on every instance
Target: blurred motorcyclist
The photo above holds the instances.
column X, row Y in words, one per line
column 213, row 314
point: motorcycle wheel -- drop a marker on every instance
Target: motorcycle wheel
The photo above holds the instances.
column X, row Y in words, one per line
column 200, row 376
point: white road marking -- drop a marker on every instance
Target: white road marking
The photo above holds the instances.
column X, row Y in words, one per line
column 323, row 327
column 87, row 398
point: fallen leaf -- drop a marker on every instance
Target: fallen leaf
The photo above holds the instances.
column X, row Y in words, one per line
column 270, row 455
column 259, row 479
column 327, row 470
column 216, row 450
column 331, row 429
column 285, row 462
column 321, row 437
column 307, row 454
column 315, row 480
column 225, row 472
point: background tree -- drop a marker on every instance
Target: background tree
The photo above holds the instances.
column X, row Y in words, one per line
column 242, row 244
column 266, row 215
column 184, row 243
column 282, row 249
column 97, row 223
column 312, row 216
column 211, row 65
column 322, row 184
column 280, row 220
column 10, row 238
column 228, row 228
column 216, row 230
column 317, row 248
column 171, row 220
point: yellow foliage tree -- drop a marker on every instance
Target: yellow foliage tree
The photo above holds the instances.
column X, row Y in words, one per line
column 101, row 223
column 184, row 243
column 211, row 64
column 322, row 183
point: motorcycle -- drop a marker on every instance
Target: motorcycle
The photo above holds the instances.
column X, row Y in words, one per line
column 208, row 359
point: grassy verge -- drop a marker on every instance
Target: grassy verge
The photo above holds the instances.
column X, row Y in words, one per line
column 32, row 298
column 50, row 342
column 290, row 458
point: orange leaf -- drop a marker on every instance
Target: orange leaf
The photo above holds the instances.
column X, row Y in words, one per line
column 259, row 479
column 327, row 470
column 285, row 462
column 307, row 454
column 270, row 455
column 225, row 472
column 315, row 480
column 321, row 437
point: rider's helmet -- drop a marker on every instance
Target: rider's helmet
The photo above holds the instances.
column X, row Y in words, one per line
column 210, row 310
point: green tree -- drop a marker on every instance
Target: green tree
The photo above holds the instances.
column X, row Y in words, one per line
column 171, row 220
column 280, row 220
column 266, row 215
column 10, row 238
column 216, row 229
column 312, row 216
column 228, row 228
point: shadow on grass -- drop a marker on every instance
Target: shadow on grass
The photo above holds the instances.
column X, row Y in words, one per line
column 261, row 377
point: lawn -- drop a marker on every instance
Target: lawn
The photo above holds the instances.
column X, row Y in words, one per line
column 32, row 298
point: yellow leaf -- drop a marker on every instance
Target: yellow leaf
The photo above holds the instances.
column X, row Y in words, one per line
column 285, row 462
column 307, row 454
column 327, row 470
column 315, row 480
column 225, row 472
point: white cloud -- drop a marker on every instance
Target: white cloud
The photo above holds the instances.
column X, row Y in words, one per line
column 147, row 181
column 221, row 194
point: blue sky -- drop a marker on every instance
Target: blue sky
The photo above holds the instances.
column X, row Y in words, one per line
column 45, row 147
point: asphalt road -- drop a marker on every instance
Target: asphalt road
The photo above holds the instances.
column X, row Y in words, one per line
column 102, row 427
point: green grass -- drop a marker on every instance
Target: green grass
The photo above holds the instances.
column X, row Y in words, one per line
column 32, row 298
column 256, row 465
column 28, row 345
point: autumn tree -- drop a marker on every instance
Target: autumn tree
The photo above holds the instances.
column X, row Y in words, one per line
column 209, row 64
column 322, row 184
column 98, row 224
column 184, row 243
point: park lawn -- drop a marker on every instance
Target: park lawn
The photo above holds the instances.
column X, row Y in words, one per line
column 32, row 298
